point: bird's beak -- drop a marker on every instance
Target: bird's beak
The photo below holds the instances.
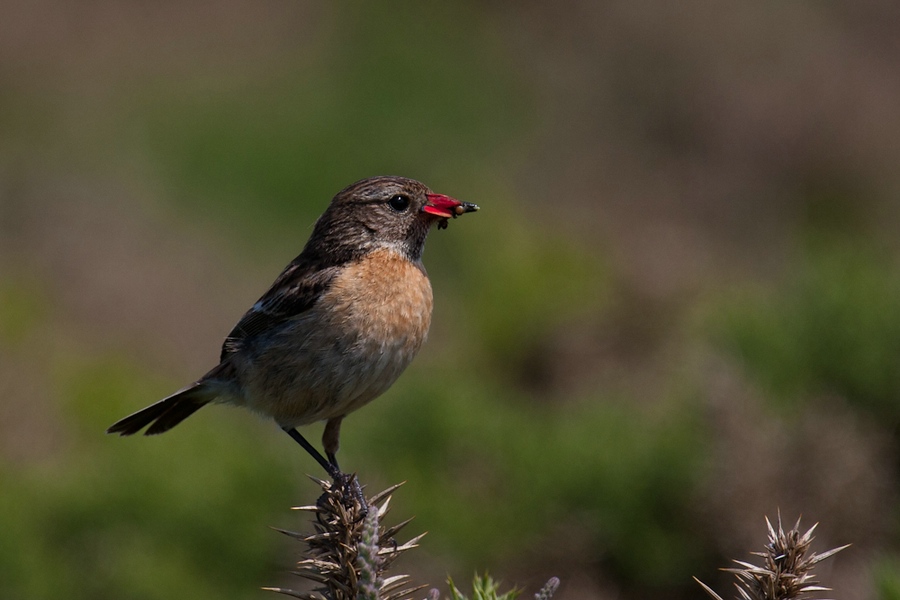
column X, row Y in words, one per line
column 446, row 207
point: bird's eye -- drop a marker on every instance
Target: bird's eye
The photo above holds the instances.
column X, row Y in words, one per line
column 399, row 202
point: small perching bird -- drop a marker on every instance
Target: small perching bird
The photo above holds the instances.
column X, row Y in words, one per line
column 338, row 326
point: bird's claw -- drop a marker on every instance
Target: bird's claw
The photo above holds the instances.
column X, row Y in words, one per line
column 350, row 488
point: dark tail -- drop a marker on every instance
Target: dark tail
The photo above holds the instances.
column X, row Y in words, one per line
column 165, row 414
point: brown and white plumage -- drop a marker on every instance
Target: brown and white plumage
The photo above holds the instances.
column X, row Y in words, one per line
column 337, row 327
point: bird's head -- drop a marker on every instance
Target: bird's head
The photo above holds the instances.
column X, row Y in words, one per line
column 384, row 212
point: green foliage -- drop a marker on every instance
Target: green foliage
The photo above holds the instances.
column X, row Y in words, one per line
column 483, row 588
column 831, row 327
column 117, row 518
column 492, row 472
column 273, row 146
column 510, row 287
column 887, row 578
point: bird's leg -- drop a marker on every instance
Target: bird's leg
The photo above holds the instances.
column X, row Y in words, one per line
column 331, row 442
column 330, row 468
column 331, row 439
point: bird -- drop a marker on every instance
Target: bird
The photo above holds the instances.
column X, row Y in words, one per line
column 336, row 328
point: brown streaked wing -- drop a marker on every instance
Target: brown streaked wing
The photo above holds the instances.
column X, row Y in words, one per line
column 295, row 291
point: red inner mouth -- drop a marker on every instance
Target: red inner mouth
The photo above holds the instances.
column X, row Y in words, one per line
column 440, row 205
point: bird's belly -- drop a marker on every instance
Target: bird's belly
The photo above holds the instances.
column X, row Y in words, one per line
column 345, row 351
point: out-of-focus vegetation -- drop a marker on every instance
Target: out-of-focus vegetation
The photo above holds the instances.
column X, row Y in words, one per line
column 676, row 312
column 833, row 327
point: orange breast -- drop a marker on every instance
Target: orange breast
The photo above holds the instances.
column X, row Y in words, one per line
column 384, row 297
column 348, row 349
column 384, row 303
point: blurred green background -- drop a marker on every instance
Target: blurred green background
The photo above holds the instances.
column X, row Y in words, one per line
column 678, row 310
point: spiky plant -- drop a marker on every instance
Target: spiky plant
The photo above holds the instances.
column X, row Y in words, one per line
column 485, row 588
column 350, row 551
column 786, row 573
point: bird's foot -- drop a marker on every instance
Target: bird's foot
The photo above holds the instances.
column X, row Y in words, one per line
column 350, row 488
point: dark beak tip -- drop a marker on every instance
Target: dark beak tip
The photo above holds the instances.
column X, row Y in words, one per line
column 466, row 207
